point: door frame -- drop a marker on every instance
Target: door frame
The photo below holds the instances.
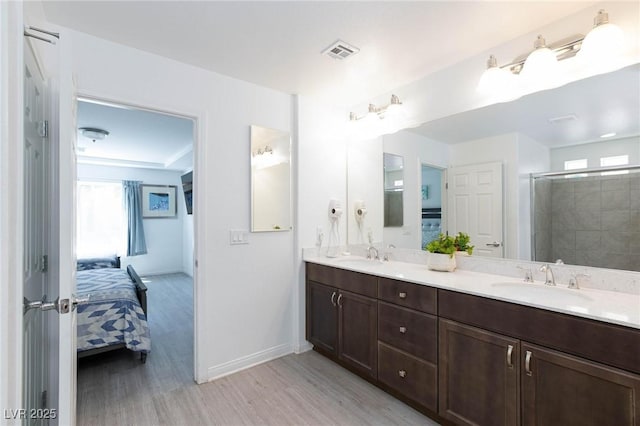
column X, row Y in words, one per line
column 11, row 204
column 198, row 117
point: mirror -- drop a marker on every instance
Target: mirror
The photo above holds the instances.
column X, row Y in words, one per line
column 270, row 180
column 536, row 133
column 393, row 180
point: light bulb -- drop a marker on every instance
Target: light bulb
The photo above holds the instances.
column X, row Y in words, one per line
column 603, row 46
column 495, row 81
column 541, row 69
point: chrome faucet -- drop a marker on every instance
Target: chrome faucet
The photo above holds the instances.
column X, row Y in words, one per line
column 528, row 275
column 388, row 252
column 574, row 281
column 549, row 278
column 375, row 255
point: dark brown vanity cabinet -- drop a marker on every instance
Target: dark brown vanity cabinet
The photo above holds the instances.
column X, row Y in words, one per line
column 488, row 378
column 558, row 389
column 479, row 376
column 342, row 316
column 473, row 360
column 408, row 340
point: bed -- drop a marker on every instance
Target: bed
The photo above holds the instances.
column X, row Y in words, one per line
column 115, row 316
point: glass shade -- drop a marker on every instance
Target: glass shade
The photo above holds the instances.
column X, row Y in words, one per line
column 603, row 42
column 541, row 70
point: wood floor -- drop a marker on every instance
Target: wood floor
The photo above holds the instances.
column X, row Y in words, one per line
column 306, row 389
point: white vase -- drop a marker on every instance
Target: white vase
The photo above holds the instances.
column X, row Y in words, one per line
column 441, row 262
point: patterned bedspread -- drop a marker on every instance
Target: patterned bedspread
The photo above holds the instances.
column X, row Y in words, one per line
column 113, row 314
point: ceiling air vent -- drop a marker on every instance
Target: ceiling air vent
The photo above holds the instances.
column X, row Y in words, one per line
column 340, row 50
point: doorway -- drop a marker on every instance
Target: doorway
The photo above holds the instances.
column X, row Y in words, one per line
column 117, row 143
column 432, row 202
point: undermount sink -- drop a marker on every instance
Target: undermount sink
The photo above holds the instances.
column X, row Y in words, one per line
column 539, row 292
column 357, row 261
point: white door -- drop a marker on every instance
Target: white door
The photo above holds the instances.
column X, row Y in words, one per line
column 475, row 206
column 36, row 321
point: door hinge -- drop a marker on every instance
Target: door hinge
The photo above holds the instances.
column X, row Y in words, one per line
column 45, row 264
column 44, row 400
column 44, row 129
column 446, row 185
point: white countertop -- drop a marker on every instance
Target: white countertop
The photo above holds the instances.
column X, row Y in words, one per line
column 608, row 306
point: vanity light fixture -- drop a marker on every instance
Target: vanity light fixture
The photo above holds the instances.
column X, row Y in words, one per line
column 378, row 112
column 540, row 67
column 94, row 133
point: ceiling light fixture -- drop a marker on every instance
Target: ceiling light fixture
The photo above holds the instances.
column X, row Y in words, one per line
column 608, row 135
column 540, row 69
column 261, row 151
column 379, row 112
column 94, row 133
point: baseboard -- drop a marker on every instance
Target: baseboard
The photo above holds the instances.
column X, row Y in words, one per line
column 248, row 361
column 304, row 347
column 151, row 274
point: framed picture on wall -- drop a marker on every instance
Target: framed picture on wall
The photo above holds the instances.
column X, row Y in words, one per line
column 158, row 201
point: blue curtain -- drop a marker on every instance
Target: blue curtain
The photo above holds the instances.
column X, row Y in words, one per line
column 136, row 244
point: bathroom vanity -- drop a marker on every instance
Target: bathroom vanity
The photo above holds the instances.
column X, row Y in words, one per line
column 454, row 346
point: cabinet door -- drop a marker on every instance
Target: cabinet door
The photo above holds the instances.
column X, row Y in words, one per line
column 559, row 389
column 478, row 376
column 358, row 332
column 322, row 316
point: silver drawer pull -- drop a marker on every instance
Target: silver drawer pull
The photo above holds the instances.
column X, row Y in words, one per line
column 403, row 330
column 402, row 295
column 509, row 356
column 527, row 363
column 402, row 373
column 333, row 298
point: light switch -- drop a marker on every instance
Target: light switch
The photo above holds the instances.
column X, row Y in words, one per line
column 238, row 236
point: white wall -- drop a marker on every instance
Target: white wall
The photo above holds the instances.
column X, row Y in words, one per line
column 364, row 180
column 594, row 151
column 321, row 172
column 533, row 157
column 243, row 314
column 163, row 236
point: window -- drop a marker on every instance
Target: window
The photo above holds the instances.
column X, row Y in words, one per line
column 575, row 164
column 618, row 160
column 100, row 217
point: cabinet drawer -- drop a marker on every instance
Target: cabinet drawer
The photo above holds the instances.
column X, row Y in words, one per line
column 345, row 280
column 411, row 331
column 410, row 295
column 412, row 377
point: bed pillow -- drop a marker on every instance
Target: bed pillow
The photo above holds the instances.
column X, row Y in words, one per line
column 98, row 263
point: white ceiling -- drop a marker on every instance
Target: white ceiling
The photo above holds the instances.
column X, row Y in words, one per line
column 278, row 44
column 137, row 138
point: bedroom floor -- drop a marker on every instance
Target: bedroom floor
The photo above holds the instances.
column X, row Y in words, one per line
column 116, row 389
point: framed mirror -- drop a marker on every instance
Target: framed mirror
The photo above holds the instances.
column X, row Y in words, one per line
column 270, row 180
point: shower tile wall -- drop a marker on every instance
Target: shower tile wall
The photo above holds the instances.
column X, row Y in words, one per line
column 542, row 223
column 594, row 221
